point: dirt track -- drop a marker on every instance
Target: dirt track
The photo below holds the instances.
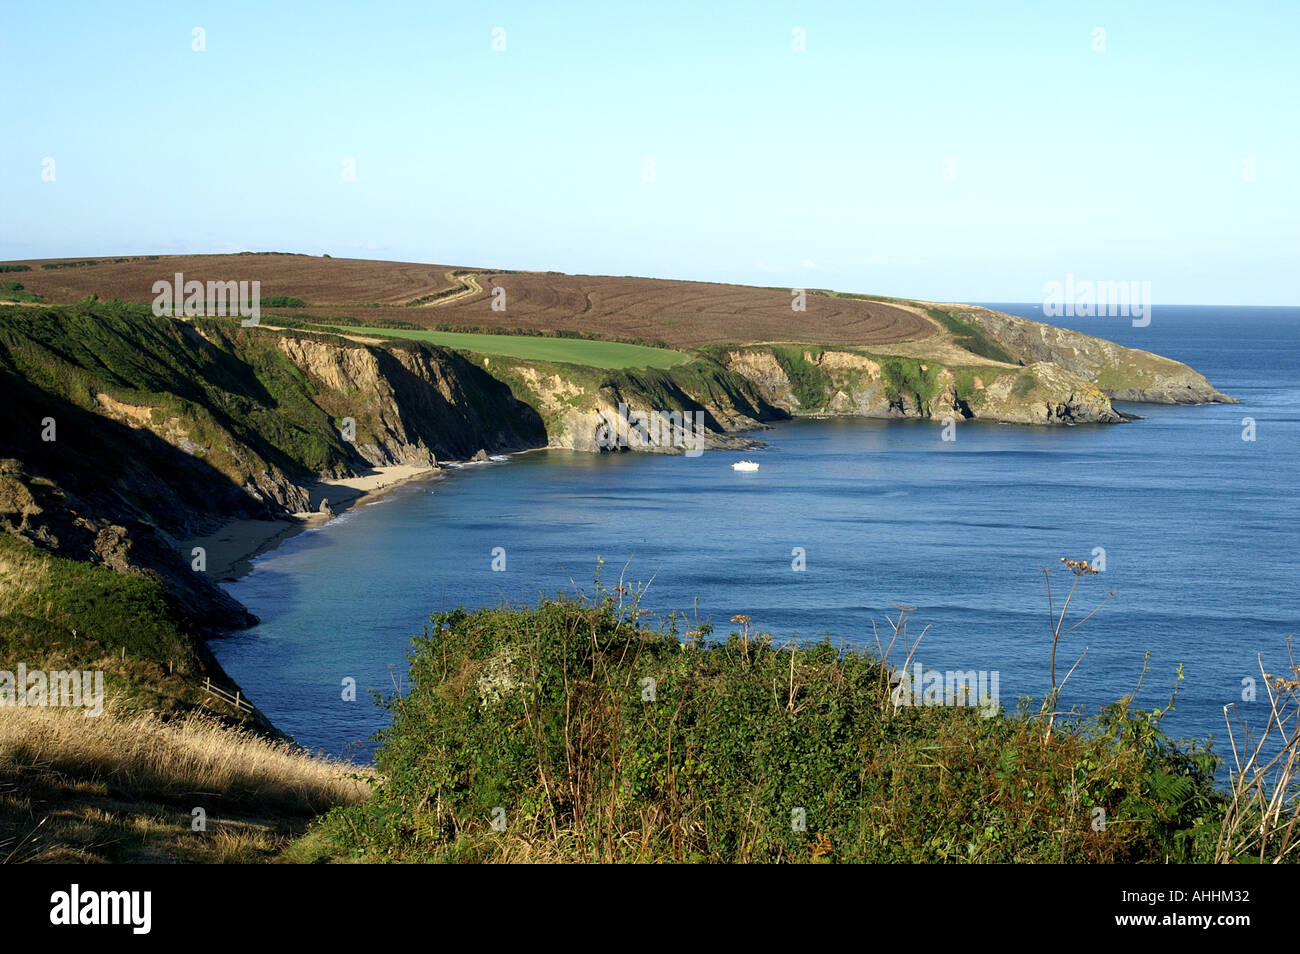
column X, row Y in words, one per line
column 680, row 313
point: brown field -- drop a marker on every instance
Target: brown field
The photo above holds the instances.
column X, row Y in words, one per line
column 680, row 313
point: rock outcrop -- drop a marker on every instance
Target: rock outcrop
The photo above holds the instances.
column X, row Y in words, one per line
column 410, row 405
column 760, row 367
column 67, row 524
column 700, row 406
column 842, row 382
column 1123, row 374
column 1046, row 393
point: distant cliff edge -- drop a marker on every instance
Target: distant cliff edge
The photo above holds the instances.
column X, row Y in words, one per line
column 127, row 433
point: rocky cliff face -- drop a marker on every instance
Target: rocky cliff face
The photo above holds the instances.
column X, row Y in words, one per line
column 76, row 527
column 851, row 383
column 1046, row 393
column 702, row 406
column 1124, row 374
column 413, row 405
column 127, row 434
column 760, row 367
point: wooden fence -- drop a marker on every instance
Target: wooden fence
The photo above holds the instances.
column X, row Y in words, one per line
column 235, row 700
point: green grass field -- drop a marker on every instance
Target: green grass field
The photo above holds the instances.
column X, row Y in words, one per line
column 596, row 354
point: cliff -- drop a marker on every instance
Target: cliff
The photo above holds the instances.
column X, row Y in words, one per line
column 853, row 382
column 127, row 433
column 1123, row 374
column 698, row 406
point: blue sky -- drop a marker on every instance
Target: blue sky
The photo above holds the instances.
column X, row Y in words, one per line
column 816, row 168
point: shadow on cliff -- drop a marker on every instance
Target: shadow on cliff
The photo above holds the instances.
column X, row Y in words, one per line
column 114, row 495
column 478, row 412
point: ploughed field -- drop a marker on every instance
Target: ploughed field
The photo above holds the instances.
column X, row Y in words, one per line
column 678, row 313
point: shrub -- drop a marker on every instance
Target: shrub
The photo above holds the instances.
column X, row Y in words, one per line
column 14, row 291
column 80, row 264
column 810, row 382
column 570, row 731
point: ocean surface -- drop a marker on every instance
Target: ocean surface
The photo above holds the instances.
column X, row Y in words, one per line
column 1198, row 528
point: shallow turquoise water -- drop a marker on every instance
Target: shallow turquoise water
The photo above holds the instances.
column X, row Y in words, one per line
column 1198, row 527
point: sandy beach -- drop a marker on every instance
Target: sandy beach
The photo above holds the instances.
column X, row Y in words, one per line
column 231, row 549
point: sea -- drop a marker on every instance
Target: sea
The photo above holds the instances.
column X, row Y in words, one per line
column 1189, row 514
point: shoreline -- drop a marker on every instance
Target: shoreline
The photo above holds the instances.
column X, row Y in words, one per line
column 232, row 548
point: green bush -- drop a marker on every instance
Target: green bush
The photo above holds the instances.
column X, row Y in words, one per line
column 905, row 377
column 80, row 264
column 586, row 736
column 14, row 291
column 810, row 382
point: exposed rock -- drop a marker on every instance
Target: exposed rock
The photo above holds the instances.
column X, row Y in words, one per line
column 901, row 404
column 850, row 361
column 500, row 676
column 1045, row 393
column 1124, row 374
column 412, row 405
column 947, row 404
column 859, row 386
column 18, row 508
column 760, row 367
column 480, row 456
column 856, row 382
column 61, row 523
column 325, row 507
column 649, row 410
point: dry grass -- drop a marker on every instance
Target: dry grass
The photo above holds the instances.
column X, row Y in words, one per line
column 123, row 787
column 1263, row 819
column 21, row 573
column 197, row 753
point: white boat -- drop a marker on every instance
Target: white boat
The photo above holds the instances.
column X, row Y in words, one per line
column 744, row 465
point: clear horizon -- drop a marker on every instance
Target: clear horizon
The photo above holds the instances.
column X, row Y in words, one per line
column 941, row 152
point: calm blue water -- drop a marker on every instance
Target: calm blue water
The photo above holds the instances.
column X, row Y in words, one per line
column 1198, row 526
